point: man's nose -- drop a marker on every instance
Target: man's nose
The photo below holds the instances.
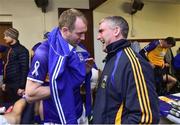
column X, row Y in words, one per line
column 82, row 37
column 98, row 37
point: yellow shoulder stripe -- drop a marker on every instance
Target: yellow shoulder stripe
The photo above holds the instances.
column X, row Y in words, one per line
column 119, row 114
column 140, row 86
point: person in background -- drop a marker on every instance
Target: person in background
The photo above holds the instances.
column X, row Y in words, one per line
column 126, row 93
column 45, row 37
column 1, row 69
column 14, row 116
column 155, row 52
column 2, row 49
column 2, row 54
column 168, row 58
column 16, row 67
column 59, row 58
column 176, row 64
column 135, row 45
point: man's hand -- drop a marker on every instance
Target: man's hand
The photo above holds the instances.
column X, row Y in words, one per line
column 89, row 64
column 166, row 65
column 21, row 92
column 3, row 87
column 153, row 66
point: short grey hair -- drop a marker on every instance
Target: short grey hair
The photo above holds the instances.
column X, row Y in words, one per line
column 118, row 21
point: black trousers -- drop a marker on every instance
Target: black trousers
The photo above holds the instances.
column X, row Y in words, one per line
column 10, row 95
column 160, row 84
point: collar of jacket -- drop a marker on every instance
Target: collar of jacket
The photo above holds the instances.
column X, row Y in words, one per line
column 14, row 45
column 115, row 47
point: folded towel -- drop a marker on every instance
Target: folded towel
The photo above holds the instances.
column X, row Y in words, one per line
column 175, row 112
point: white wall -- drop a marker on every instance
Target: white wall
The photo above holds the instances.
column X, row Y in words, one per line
column 30, row 21
column 155, row 20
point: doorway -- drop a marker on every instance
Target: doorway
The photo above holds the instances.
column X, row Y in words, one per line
column 3, row 27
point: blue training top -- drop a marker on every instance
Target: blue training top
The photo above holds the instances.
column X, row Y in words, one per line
column 66, row 71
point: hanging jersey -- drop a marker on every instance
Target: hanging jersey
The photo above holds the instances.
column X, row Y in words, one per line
column 83, row 53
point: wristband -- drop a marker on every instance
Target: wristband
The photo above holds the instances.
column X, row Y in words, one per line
column 25, row 97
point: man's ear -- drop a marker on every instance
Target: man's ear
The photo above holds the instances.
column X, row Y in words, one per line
column 64, row 30
column 117, row 31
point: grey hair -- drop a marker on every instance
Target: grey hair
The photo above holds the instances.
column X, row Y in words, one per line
column 118, row 21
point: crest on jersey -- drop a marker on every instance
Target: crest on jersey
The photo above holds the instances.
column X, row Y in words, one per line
column 80, row 56
column 103, row 83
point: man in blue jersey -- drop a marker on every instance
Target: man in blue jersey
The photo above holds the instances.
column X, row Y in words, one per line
column 126, row 92
column 60, row 59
